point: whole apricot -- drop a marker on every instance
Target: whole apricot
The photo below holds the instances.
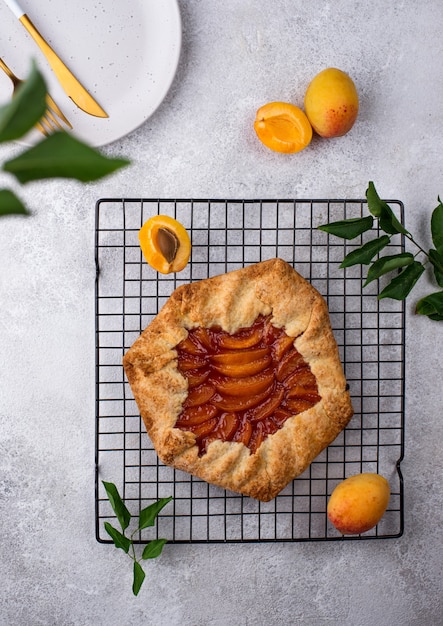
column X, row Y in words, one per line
column 358, row 503
column 331, row 103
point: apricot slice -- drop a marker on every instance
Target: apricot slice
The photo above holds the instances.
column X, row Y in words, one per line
column 257, row 437
column 199, row 395
column 196, row 377
column 243, row 433
column 196, row 415
column 232, row 403
column 225, row 429
column 283, row 127
column 303, row 378
column 303, row 394
column 249, row 386
column 241, row 370
column 165, row 244
column 203, row 337
column 227, row 426
column 241, row 341
column 291, row 362
column 267, row 408
column 239, row 358
column 269, row 426
column 282, row 345
column 203, row 429
column 298, row 405
column 280, row 416
column 191, row 347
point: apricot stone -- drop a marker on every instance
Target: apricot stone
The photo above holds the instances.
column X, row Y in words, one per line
column 165, row 244
column 358, row 503
column 331, row 103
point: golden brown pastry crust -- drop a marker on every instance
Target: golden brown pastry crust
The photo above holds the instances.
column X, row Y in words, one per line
column 233, row 301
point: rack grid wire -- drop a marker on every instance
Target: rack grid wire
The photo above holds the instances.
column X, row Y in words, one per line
column 227, row 235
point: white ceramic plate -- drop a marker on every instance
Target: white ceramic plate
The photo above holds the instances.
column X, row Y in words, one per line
column 125, row 52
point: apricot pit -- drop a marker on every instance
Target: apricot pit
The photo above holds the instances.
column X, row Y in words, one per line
column 165, row 244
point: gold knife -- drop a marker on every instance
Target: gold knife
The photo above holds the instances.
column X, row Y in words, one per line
column 66, row 78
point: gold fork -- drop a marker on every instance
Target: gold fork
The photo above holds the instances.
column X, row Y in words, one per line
column 50, row 122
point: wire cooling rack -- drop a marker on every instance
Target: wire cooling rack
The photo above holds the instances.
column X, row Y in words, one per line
column 227, row 235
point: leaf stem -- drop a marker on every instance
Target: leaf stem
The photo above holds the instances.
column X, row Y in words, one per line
column 134, row 556
column 412, row 240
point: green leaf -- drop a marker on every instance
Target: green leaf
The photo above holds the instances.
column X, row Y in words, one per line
column 25, row 109
column 139, row 577
column 401, row 285
column 118, row 506
column 62, row 156
column 388, row 264
column 149, row 514
column 349, row 229
column 437, row 227
column 383, row 212
column 436, row 317
column 120, row 541
column 153, row 549
column 10, row 204
column 432, row 306
column 436, row 259
column 365, row 253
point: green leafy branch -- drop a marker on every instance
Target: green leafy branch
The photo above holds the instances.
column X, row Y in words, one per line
column 59, row 155
column 147, row 517
column 406, row 265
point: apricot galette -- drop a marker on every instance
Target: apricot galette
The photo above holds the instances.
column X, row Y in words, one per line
column 238, row 379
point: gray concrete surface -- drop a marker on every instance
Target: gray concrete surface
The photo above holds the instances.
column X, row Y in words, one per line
column 236, row 56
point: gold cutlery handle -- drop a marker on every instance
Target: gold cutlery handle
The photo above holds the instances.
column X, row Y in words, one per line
column 53, row 59
column 7, row 71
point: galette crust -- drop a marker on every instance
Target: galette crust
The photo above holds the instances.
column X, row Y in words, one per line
column 233, row 301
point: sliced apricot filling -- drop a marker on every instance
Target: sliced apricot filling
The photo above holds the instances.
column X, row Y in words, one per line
column 165, row 244
column 242, row 387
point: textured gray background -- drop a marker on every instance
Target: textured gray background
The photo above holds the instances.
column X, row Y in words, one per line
column 236, row 56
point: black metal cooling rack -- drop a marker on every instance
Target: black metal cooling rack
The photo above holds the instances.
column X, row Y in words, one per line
column 226, row 235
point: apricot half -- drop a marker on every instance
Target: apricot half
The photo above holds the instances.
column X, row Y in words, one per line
column 358, row 503
column 165, row 244
column 331, row 103
column 283, row 127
